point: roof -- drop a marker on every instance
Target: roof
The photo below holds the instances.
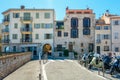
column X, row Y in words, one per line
column 79, row 11
column 101, row 22
column 115, row 17
column 15, row 9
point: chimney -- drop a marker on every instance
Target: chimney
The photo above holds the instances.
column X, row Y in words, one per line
column 22, row 7
column 67, row 8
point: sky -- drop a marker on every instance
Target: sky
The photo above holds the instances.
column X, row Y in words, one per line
column 98, row 6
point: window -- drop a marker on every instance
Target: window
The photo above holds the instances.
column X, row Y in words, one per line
column 116, row 22
column 74, row 22
column 106, row 48
column 65, row 34
column 48, row 26
column 116, row 34
column 81, row 44
column 106, row 27
column 37, row 15
column 116, row 49
column 59, row 34
column 42, row 25
column 98, row 27
column 106, row 36
column 16, row 15
column 37, row 26
column 14, row 49
column 47, row 15
column 86, row 22
column 36, row 36
column 27, row 16
column 48, row 36
column 14, row 36
column 74, row 33
column 59, row 47
column 98, row 36
column 86, row 31
column 16, row 25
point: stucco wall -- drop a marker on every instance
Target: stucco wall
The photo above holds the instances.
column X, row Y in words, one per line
column 10, row 63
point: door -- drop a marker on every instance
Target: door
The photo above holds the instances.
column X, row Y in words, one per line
column 70, row 47
column 98, row 49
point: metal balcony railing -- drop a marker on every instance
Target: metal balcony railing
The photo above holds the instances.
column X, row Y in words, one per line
column 5, row 30
column 5, row 40
column 26, row 40
column 26, row 29
column 6, row 20
column 98, row 41
column 26, row 18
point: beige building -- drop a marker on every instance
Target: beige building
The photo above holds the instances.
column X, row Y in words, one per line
column 115, row 27
column 28, row 30
column 76, row 31
column 102, row 37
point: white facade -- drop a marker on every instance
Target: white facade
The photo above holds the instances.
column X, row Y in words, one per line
column 33, row 28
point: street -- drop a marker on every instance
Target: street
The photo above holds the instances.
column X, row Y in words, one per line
column 68, row 70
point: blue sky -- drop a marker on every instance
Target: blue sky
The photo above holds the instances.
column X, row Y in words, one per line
column 99, row 6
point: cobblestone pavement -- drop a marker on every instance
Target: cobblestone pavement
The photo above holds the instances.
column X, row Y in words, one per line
column 29, row 71
column 69, row 70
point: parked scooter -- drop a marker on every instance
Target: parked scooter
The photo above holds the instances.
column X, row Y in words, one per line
column 115, row 67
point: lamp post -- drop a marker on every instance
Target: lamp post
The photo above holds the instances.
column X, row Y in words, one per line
column 40, row 61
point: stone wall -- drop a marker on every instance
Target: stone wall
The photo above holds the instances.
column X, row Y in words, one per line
column 10, row 63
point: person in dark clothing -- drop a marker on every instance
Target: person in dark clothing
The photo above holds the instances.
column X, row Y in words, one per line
column 107, row 60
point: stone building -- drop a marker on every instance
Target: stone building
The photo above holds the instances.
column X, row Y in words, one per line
column 76, row 32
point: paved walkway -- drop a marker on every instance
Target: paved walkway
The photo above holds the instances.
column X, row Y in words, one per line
column 30, row 71
column 68, row 70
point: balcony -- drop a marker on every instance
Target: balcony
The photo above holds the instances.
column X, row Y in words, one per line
column 60, row 27
column 6, row 21
column 26, row 30
column 5, row 31
column 5, row 40
column 98, row 41
column 26, row 19
column 26, row 40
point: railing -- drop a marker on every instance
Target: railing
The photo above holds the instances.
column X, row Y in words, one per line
column 6, row 20
column 26, row 40
column 5, row 40
column 26, row 29
column 26, row 18
column 60, row 27
column 98, row 41
column 5, row 30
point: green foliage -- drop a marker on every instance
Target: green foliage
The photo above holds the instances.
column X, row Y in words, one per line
column 66, row 53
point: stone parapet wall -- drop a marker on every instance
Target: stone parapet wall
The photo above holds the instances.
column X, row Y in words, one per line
column 10, row 63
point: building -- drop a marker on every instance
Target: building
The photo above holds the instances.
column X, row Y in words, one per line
column 115, row 27
column 28, row 30
column 76, row 31
column 1, row 37
column 102, row 37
